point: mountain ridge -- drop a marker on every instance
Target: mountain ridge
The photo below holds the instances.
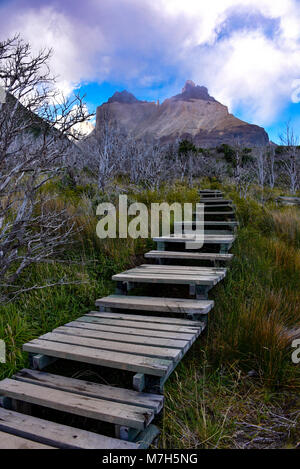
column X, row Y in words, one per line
column 192, row 114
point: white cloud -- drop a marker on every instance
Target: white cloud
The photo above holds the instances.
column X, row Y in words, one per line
column 140, row 43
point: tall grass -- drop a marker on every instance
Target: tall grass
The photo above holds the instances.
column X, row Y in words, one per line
column 244, row 357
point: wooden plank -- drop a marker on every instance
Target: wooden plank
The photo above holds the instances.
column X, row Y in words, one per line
column 150, row 319
column 182, row 269
column 88, row 322
column 8, row 441
column 98, row 409
column 119, row 321
column 219, row 223
column 86, row 331
column 121, row 361
column 221, row 205
column 178, row 273
column 172, row 279
column 217, row 213
column 113, row 346
column 54, row 434
column 215, row 200
column 87, row 388
column 183, row 238
column 209, row 191
column 157, row 304
column 188, row 255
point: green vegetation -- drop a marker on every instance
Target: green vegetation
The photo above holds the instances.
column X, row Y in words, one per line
column 240, row 373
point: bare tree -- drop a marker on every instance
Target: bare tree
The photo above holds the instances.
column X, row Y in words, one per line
column 35, row 125
column 291, row 157
column 271, row 164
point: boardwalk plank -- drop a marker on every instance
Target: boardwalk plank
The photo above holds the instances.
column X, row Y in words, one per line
column 150, row 319
column 87, row 388
column 98, row 409
column 142, row 325
column 8, row 441
column 89, row 322
column 86, row 330
column 157, row 304
column 58, row 435
column 113, row 346
column 188, row 255
column 122, row 361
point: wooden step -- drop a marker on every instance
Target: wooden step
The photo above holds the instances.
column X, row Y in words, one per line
column 156, row 304
column 166, row 321
column 172, row 274
column 131, row 320
column 141, row 344
column 111, row 359
column 215, row 200
column 231, row 213
column 208, row 238
column 114, row 346
column 185, row 255
column 131, row 334
column 87, row 388
column 83, row 329
column 191, row 229
column 210, row 192
column 8, row 441
column 41, row 432
column 217, row 205
column 97, row 408
column 210, row 222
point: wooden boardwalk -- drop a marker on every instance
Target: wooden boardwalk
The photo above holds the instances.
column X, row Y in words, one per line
column 142, row 336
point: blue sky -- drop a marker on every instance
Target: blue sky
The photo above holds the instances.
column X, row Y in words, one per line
column 247, row 52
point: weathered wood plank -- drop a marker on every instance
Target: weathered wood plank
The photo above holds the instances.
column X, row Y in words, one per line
column 231, row 213
column 86, row 331
column 214, row 200
column 181, row 269
column 8, row 441
column 122, row 361
column 87, row 388
column 88, row 322
column 99, row 409
column 150, row 319
column 53, row 434
column 166, row 279
column 188, row 255
column 157, row 304
column 213, row 222
column 208, row 238
column 142, row 325
column 146, row 351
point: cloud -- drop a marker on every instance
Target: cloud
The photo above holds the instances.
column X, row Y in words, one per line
column 247, row 52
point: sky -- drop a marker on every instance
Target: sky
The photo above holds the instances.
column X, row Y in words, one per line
column 246, row 52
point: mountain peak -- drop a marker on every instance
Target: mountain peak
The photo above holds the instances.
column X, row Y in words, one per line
column 193, row 114
column 188, row 84
column 193, row 91
column 123, row 97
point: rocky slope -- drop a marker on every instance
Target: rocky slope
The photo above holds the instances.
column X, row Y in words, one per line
column 192, row 114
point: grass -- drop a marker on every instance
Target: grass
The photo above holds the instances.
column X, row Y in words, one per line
column 239, row 374
column 241, row 371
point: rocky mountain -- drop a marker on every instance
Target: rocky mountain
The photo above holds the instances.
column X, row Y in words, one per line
column 193, row 114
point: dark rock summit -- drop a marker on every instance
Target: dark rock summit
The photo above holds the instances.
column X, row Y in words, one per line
column 193, row 114
column 123, row 97
column 192, row 91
